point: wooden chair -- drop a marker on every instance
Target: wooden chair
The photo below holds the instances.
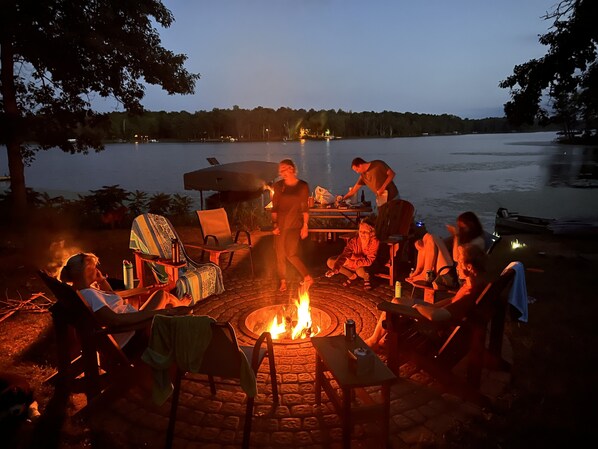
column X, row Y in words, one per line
column 478, row 336
column 93, row 351
column 223, row 359
column 400, row 220
column 151, row 241
column 217, row 237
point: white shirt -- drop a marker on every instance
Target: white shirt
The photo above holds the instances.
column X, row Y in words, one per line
column 96, row 299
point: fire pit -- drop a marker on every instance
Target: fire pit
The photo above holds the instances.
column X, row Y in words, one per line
column 290, row 322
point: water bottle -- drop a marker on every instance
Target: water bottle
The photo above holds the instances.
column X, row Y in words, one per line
column 397, row 289
column 128, row 275
column 176, row 252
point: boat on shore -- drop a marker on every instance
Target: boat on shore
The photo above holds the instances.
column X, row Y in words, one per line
column 507, row 222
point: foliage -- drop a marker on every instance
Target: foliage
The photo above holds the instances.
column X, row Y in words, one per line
column 137, row 203
column 159, row 203
column 567, row 74
column 285, row 123
column 58, row 56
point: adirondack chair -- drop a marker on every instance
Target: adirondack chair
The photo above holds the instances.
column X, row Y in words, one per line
column 398, row 229
column 92, row 352
column 151, row 241
column 465, row 338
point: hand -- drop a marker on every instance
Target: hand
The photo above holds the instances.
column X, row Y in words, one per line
column 304, row 233
column 276, row 231
column 178, row 311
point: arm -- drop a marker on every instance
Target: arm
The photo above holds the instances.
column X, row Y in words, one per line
column 108, row 317
column 368, row 255
column 304, row 229
column 276, row 230
column 353, row 190
column 390, row 175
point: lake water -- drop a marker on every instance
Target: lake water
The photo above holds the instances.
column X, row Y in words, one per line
column 441, row 175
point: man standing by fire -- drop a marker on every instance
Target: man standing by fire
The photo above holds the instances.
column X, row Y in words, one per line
column 290, row 214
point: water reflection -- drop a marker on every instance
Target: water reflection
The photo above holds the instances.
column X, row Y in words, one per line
column 574, row 167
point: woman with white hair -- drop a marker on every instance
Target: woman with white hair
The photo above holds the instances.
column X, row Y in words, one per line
column 110, row 309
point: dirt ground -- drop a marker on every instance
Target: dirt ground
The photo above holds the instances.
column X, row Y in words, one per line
column 551, row 401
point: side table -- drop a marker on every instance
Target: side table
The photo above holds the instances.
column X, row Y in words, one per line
column 332, row 357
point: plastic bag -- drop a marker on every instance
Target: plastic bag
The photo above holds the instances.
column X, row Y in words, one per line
column 323, row 196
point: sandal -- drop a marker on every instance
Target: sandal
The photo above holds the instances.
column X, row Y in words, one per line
column 348, row 282
column 367, row 285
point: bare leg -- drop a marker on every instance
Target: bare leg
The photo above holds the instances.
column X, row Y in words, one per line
column 379, row 332
column 161, row 299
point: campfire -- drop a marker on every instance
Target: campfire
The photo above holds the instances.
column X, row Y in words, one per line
column 295, row 320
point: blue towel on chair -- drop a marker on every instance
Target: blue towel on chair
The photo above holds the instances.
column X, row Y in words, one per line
column 518, row 293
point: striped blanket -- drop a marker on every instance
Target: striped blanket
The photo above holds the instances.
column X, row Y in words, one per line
column 152, row 234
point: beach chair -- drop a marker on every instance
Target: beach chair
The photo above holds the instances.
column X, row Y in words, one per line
column 223, row 361
column 399, row 225
column 217, row 237
column 152, row 243
column 438, row 346
column 86, row 347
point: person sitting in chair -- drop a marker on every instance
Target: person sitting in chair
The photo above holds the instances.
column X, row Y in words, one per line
column 82, row 272
column 471, row 266
column 357, row 257
column 433, row 253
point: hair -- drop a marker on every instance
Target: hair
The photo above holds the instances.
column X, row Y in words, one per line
column 475, row 256
column 472, row 228
column 368, row 225
column 75, row 265
column 357, row 161
column 290, row 163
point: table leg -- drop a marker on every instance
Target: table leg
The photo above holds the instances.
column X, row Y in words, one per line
column 386, row 413
column 319, row 374
column 346, row 418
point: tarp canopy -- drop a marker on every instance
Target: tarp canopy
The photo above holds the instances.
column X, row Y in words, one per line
column 247, row 176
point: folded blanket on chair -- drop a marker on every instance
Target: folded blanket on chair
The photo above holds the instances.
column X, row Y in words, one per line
column 152, row 234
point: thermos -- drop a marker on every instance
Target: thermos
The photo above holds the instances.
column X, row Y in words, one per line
column 397, row 289
column 176, row 251
column 350, row 332
column 128, row 274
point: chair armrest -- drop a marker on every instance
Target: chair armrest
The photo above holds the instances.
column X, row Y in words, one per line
column 255, row 358
column 399, row 309
column 155, row 259
column 206, row 247
column 247, row 236
column 206, row 239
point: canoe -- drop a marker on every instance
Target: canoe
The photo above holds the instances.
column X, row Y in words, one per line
column 507, row 222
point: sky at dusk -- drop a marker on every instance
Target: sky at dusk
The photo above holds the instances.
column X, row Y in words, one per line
column 423, row 56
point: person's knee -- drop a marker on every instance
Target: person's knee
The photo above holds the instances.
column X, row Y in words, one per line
column 331, row 261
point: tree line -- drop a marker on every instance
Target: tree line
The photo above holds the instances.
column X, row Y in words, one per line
column 263, row 124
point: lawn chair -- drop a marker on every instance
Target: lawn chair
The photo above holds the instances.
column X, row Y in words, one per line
column 400, row 221
column 478, row 336
column 217, row 237
column 222, row 358
column 152, row 241
column 93, row 352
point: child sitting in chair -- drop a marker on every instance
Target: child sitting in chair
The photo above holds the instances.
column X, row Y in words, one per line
column 358, row 255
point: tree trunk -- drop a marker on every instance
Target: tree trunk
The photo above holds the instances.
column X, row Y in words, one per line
column 16, row 166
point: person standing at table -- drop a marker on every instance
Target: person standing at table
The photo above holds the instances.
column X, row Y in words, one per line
column 290, row 214
column 379, row 178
